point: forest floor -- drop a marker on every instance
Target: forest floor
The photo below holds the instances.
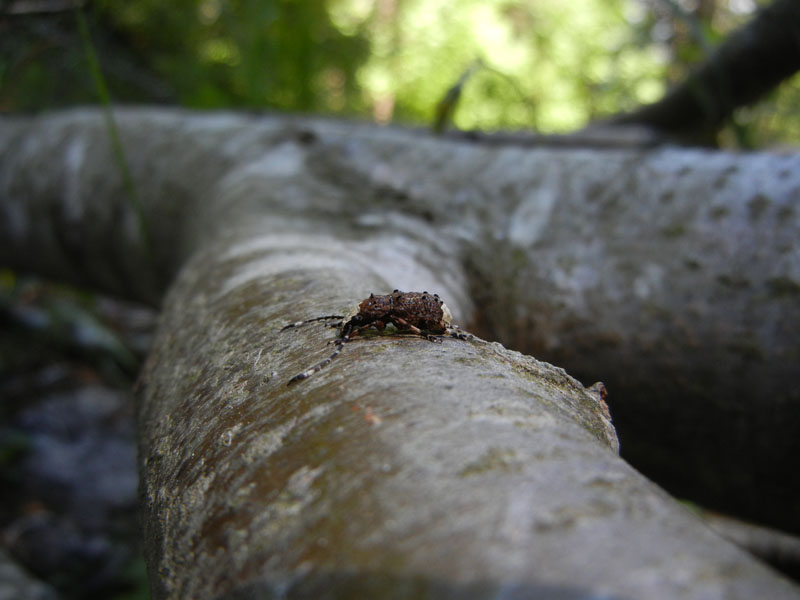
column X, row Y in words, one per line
column 68, row 476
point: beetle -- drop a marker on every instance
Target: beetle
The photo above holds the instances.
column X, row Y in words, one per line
column 420, row 313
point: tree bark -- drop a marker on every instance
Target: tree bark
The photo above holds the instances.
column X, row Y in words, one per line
column 407, row 468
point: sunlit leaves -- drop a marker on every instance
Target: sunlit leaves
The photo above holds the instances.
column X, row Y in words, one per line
column 554, row 65
column 549, row 65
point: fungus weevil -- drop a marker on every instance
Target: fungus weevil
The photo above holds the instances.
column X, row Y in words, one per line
column 420, row 313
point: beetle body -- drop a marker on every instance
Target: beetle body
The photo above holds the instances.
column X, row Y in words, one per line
column 420, row 313
column 417, row 312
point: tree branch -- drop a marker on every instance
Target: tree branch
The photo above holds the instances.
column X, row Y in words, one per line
column 475, row 469
column 749, row 64
column 405, row 469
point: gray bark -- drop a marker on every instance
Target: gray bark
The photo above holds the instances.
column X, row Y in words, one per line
column 407, row 468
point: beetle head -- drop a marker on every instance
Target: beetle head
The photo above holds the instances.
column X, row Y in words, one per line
column 374, row 307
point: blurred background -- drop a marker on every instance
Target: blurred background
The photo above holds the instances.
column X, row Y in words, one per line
column 68, row 358
column 547, row 66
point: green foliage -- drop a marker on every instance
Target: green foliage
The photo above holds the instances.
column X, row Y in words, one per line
column 58, row 321
column 548, row 65
column 280, row 54
column 116, row 144
column 570, row 61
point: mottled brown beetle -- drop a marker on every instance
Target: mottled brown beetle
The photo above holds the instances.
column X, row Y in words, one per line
column 420, row 313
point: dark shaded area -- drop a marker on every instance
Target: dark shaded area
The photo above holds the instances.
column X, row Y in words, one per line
column 337, row 585
column 776, row 548
column 44, row 63
column 687, row 429
column 705, row 451
column 276, row 54
column 68, row 479
column 749, row 64
column 731, row 470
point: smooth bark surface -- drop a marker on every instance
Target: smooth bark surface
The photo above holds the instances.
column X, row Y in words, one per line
column 460, row 468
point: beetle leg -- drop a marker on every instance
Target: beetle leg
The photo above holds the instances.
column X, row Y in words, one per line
column 406, row 325
column 362, row 328
column 415, row 330
column 453, row 332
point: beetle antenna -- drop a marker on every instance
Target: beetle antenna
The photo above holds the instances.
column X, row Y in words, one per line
column 345, row 337
column 299, row 323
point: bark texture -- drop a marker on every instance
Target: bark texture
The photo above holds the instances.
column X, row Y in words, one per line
column 415, row 469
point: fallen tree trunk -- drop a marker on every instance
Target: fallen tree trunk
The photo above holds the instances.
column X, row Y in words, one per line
column 404, row 469
column 455, row 469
